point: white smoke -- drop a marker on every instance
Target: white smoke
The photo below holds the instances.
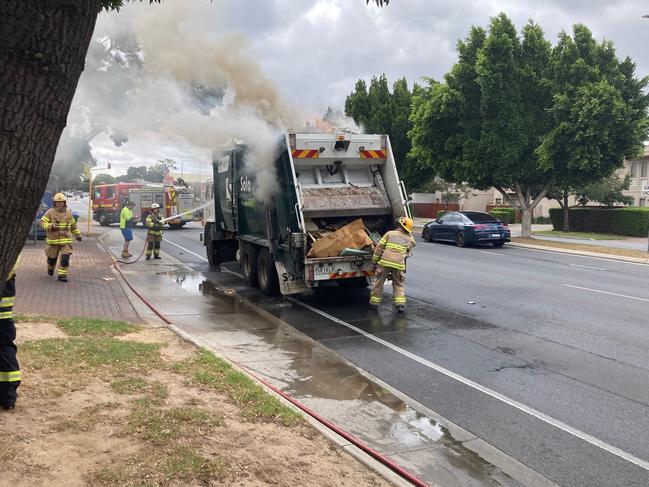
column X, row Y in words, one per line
column 186, row 84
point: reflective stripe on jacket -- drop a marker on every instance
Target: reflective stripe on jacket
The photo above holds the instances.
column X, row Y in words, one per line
column 66, row 223
column 392, row 250
column 152, row 221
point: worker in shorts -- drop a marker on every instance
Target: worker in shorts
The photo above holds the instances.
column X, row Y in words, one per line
column 126, row 221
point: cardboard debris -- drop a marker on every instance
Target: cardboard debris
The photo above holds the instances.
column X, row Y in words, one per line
column 352, row 235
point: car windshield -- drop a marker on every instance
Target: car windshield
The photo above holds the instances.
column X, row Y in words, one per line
column 477, row 217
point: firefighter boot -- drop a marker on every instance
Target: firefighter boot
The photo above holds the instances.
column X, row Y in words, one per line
column 50, row 272
column 157, row 257
column 148, row 257
column 51, row 264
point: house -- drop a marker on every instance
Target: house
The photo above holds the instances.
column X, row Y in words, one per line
column 638, row 169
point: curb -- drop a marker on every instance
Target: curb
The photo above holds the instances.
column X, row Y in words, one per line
column 622, row 258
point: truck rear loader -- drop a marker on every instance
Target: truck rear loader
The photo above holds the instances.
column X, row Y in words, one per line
column 324, row 181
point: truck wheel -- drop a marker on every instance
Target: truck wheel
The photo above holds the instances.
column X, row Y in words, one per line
column 249, row 263
column 175, row 226
column 103, row 219
column 266, row 273
column 213, row 254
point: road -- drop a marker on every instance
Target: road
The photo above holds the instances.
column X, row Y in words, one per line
column 541, row 354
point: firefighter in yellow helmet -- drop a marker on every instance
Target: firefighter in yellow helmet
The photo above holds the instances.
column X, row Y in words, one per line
column 60, row 226
column 390, row 257
column 153, row 225
column 9, row 369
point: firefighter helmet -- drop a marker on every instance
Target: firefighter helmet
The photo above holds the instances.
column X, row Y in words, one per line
column 155, row 206
column 59, row 197
column 406, row 223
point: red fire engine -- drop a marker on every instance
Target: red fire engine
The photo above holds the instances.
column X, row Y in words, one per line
column 109, row 199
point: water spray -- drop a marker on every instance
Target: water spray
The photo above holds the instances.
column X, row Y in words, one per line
column 172, row 217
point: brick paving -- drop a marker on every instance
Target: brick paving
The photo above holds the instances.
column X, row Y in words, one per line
column 87, row 293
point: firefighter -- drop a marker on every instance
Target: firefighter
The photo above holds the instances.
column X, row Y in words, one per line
column 126, row 221
column 60, row 225
column 154, row 232
column 9, row 369
column 390, row 258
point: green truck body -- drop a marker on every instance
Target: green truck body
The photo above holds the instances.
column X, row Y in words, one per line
column 321, row 181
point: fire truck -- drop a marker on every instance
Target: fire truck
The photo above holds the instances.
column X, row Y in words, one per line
column 109, row 199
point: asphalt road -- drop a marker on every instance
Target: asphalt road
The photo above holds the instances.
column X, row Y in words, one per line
column 541, row 354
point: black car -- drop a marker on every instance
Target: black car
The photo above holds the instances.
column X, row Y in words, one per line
column 467, row 227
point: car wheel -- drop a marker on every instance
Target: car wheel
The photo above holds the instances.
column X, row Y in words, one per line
column 426, row 234
column 499, row 244
column 103, row 219
column 460, row 239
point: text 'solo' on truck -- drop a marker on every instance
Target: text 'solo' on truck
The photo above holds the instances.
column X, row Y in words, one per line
column 336, row 195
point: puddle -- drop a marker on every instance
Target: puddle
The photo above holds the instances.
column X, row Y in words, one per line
column 321, row 379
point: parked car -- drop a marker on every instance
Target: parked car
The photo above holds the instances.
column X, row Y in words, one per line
column 467, row 227
column 46, row 203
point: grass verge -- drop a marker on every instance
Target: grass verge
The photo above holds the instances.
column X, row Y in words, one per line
column 582, row 235
column 582, row 247
column 94, row 327
column 257, row 405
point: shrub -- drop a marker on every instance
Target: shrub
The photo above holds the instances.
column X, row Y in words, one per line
column 506, row 215
column 441, row 213
column 633, row 222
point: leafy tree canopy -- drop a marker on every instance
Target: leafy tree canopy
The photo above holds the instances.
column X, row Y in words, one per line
column 516, row 114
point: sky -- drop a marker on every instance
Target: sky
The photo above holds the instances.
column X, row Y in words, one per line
column 291, row 59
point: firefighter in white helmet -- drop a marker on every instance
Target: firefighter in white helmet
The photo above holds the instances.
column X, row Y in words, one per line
column 60, row 226
column 154, row 232
column 390, row 257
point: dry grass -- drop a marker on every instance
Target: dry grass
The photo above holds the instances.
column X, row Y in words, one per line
column 582, row 247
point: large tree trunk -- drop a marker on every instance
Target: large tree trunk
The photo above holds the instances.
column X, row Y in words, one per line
column 525, row 203
column 43, row 45
column 566, row 212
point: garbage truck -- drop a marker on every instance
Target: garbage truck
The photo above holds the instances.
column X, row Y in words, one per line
column 335, row 195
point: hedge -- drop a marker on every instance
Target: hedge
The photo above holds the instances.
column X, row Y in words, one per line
column 506, row 215
column 632, row 222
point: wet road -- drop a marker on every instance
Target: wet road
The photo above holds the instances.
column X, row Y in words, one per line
column 549, row 365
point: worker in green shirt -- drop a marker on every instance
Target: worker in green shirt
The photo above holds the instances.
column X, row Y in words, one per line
column 126, row 221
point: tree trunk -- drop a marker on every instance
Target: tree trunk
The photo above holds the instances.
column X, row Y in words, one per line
column 43, row 46
column 566, row 213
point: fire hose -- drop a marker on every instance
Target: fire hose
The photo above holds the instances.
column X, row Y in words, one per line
column 394, row 467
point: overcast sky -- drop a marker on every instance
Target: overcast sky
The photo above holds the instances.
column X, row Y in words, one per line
column 315, row 50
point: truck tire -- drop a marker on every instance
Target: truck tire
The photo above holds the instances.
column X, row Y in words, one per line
column 103, row 219
column 249, row 263
column 175, row 226
column 212, row 250
column 266, row 273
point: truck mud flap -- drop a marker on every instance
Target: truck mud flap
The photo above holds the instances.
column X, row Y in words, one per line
column 288, row 283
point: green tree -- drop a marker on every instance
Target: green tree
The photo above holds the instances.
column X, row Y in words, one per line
column 357, row 104
column 42, row 53
column 506, row 115
column 155, row 173
column 607, row 191
column 103, row 178
column 378, row 110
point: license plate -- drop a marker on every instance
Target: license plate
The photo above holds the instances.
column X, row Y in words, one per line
column 495, row 235
column 318, row 271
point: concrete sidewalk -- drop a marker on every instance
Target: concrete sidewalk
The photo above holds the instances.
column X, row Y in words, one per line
column 93, row 289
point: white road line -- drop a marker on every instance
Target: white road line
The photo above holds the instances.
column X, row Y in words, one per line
column 496, row 395
column 186, row 250
column 606, row 292
column 587, row 267
column 490, row 253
